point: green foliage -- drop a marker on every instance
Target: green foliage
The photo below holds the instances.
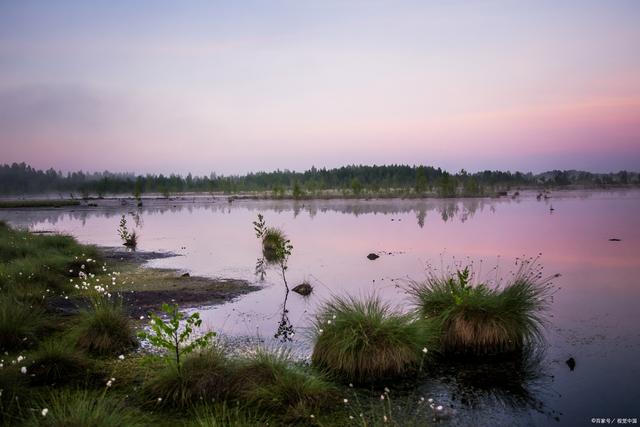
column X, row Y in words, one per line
column 105, row 329
column 174, row 334
column 21, row 179
column 365, row 340
column 276, row 248
column 129, row 239
column 481, row 319
column 66, row 408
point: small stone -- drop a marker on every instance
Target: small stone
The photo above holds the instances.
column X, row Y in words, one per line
column 571, row 363
column 303, row 289
column 373, row 256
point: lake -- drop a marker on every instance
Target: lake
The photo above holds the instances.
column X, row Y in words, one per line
column 595, row 315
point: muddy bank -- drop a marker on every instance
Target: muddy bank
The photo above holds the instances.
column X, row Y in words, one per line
column 145, row 289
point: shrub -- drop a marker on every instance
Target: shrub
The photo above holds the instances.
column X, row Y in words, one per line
column 20, row 324
column 205, row 376
column 105, row 329
column 56, row 363
column 67, row 408
column 480, row 319
column 365, row 340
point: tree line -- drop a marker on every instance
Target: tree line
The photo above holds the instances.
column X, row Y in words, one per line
column 20, row 178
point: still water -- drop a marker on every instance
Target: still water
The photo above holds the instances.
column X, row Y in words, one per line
column 595, row 315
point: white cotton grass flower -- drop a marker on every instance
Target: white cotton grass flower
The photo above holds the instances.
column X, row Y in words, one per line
column 430, row 400
column 382, row 397
column 345, row 400
column 44, row 412
column 23, row 370
column 121, row 357
column 159, row 399
column 425, row 350
column 439, row 408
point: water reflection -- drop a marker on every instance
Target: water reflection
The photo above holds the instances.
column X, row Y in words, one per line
column 446, row 210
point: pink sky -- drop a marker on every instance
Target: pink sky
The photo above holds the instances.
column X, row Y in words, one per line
column 228, row 88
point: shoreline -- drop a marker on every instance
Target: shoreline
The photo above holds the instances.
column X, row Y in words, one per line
column 145, row 289
column 36, row 201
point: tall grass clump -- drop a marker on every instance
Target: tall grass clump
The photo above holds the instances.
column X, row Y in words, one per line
column 483, row 319
column 205, row 376
column 365, row 340
column 271, row 383
column 56, row 363
column 20, row 324
column 105, row 329
column 226, row 415
column 272, row 240
column 68, row 408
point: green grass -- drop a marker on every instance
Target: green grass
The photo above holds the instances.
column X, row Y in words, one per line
column 105, row 329
column 364, row 340
column 56, row 362
column 272, row 240
column 70, row 408
column 480, row 319
column 205, row 376
column 225, row 415
column 272, row 384
column 20, row 324
column 46, row 203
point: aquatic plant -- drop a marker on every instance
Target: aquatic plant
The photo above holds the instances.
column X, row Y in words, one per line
column 365, row 340
column 276, row 248
column 481, row 319
column 174, row 334
column 129, row 239
column 105, row 329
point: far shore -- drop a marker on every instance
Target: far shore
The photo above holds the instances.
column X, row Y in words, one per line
column 60, row 201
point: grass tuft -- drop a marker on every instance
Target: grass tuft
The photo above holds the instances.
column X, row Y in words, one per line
column 367, row 341
column 272, row 240
column 479, row 319
column 67, row 408
column 106, row 330
column 57, row 363
column 205, row 376
column 274, row 385
column 20, row 324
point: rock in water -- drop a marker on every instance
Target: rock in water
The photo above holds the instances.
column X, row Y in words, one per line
column 571, row 363
column 186, row 275
column 373, row 256
column 614, row 239
column 303, row 289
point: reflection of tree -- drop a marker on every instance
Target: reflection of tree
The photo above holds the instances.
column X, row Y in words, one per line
column 285, row 331
column 448, row 209
column 421, row 215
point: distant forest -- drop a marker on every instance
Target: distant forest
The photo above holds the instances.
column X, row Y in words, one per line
column 20, row 178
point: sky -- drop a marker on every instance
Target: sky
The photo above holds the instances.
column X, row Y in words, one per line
column 233, row 87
